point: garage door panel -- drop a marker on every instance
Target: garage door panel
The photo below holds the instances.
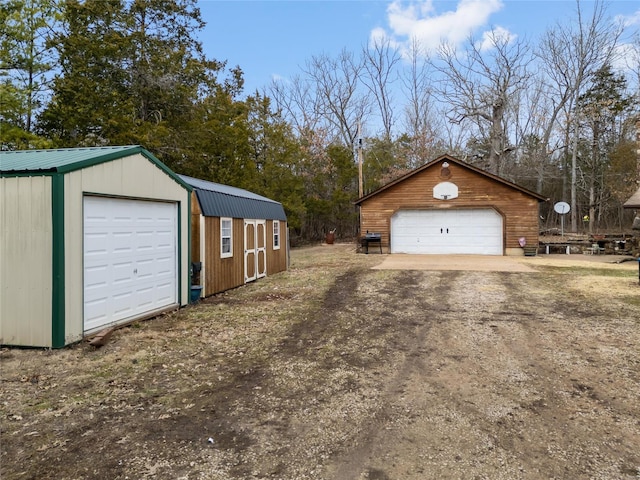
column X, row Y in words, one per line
column 130, row 259
column 468, row 231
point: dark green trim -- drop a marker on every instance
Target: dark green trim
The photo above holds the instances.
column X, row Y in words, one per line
column 39, row 173
column 179, row 252
column 90, row 162
column 166, row 170
column 95, row 158
column 125, row 152
column 58, row 267
column 189, row 253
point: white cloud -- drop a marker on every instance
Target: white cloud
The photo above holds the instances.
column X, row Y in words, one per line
column 627, row 58
column 379, row 36
column 420, row 21
column 629, row 20
column 494, row 37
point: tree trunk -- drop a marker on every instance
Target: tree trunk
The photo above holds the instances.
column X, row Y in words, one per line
column 496, row 142
column 574, row 176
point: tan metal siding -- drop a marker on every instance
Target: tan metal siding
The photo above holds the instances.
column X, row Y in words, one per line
column 134, row 177
column 25, row 256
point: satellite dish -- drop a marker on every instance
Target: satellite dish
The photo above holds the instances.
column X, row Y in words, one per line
column 562, row 208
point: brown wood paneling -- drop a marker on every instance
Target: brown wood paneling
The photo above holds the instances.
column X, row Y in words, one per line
column 195, row 206
column 195, row 228
column 223, row 273
column 276, row 258
column 519, row 210
column 195, row 238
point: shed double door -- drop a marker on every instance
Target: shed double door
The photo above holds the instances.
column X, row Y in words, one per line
column 255, row 249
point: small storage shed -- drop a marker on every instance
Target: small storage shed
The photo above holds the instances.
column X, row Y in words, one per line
column 90, row 238
column 237, row 236
column 450, row 207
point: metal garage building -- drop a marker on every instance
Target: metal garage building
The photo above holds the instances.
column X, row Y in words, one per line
column 450, row 207
column 91, row 237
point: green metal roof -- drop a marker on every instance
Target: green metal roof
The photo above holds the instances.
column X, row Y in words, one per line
column 63, row 160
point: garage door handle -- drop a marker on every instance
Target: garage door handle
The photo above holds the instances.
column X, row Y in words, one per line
column 440, row 230
column 447, row 230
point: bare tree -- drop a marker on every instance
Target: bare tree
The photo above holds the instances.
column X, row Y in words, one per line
column 479, row 84
column 298, row 103
column 421, row 122
column 380, row 60
column 536, row 154
column 341, row 102
column 571, row 54
column 633, row 63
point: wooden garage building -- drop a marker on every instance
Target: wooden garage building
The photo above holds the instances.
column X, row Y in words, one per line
column 450, row 207
column 89, row 238
column 237, row 236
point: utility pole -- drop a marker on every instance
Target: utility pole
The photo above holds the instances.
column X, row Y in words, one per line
column 359, row 152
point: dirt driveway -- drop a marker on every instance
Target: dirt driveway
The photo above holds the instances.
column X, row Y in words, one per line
column 337, row 370
column 464, row 263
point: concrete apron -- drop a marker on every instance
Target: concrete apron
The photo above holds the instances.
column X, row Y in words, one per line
column 476, row 263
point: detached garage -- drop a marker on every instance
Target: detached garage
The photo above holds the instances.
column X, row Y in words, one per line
column 450, row 207
column 91, row 238
column 237, row 236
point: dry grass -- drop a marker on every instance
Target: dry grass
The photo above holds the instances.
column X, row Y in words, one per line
column 335, row 370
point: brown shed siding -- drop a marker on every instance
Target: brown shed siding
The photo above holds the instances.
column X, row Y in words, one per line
column 519, row 210
column 276, row 259
column 211, row 202
column 195, row 228
column 223, row 273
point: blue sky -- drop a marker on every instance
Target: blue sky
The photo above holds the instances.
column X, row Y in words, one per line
column 274, row 38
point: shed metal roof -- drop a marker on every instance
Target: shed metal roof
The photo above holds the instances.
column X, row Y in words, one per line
column 634, row 201
column 57, row 160
column 217, row 200
column 64, row 160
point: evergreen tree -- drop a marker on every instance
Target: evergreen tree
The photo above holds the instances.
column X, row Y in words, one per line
column 604, row 106
column 132, row 72
column 26, row 64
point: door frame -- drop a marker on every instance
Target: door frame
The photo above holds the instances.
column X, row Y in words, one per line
column 175, row 209
column 442, row 225
column 255, row 249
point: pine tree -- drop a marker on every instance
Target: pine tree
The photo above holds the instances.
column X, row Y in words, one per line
column 27, row 63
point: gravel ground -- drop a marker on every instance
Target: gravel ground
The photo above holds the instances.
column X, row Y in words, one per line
column 338, row 370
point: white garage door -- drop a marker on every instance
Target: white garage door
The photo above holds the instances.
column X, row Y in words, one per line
column 130, row 259
column 469, row 231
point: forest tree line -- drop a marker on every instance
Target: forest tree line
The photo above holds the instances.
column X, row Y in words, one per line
column 554, row 114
